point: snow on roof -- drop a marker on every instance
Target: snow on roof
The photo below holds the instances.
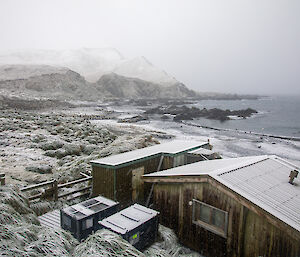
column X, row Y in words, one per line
column 202, row 151
column 98, row 203
column 204, row 167
column 128, row 219
column 263, row 180
column 173, row 147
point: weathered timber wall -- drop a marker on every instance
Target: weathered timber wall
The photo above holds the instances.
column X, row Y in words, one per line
column 104, row 181
column 124, row 181
column 251, row 232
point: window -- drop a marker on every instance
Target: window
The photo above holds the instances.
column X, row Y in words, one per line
column 210, row 218
column 179, row 160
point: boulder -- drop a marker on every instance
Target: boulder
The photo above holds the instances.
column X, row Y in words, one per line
column 42, row 169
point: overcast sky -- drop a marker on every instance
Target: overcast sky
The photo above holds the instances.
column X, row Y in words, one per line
column 242, row 46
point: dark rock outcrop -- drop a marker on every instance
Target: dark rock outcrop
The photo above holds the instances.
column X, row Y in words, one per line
column 187, row 113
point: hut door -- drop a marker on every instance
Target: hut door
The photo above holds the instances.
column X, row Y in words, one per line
column 137, row 184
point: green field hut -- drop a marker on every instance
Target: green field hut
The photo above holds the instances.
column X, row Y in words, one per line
column 119, row 177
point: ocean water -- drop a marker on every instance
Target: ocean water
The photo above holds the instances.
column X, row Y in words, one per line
column 278, row 115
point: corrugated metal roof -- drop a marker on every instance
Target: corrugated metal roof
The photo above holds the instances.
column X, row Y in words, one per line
column 173, row 147
column 266, row 185
column 263, row 180
column 205, row 167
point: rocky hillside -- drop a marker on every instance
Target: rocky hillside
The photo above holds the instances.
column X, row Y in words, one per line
column 43, row 81
column 90, row 63
column 36, row 81
column 114, row 85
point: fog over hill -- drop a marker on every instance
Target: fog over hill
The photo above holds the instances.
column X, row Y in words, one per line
column 91, row 63
column 86, row 61
column 88, row 74
column 85, row 74
column 141, row 68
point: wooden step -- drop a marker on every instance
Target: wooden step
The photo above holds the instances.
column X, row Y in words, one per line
column 50, row 219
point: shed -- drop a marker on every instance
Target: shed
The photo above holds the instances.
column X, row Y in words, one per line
column 232, row 207
column 119, row 177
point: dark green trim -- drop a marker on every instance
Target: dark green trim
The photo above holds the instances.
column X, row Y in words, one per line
column 115, row 185
column 149, row 157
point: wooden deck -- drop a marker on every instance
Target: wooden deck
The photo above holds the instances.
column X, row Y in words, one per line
column 50, row 219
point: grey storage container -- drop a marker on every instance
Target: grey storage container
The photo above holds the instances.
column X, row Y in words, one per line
column 82, row 219
column 136, row 224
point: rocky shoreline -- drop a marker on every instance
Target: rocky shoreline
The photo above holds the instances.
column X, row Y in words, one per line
column 189, row 113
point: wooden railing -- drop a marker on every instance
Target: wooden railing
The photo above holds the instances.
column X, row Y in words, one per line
column 50, row 189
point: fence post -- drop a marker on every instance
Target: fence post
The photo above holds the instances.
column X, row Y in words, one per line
column 2, row 179
column 55, row 190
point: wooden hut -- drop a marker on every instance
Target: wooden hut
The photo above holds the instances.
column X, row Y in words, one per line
column 119, row 177
column 232, row 207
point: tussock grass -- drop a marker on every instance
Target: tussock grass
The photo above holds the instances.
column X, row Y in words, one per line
column 106, row 243
column 41, row 207
column 21, row 233
column 54, row 242
column 169, row 246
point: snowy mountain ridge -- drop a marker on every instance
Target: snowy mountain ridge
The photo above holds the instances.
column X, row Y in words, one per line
column 92, row 63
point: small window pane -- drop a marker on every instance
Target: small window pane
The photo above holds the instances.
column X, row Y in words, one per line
column 205, row 214
column 210, row 218
column 218, row 219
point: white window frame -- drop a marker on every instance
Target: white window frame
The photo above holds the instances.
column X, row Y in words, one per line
column 210, row 226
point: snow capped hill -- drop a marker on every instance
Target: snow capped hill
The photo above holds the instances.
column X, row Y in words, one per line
column 92, row 63
column 40, row 81
column 141, row 68
column 65, row 74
